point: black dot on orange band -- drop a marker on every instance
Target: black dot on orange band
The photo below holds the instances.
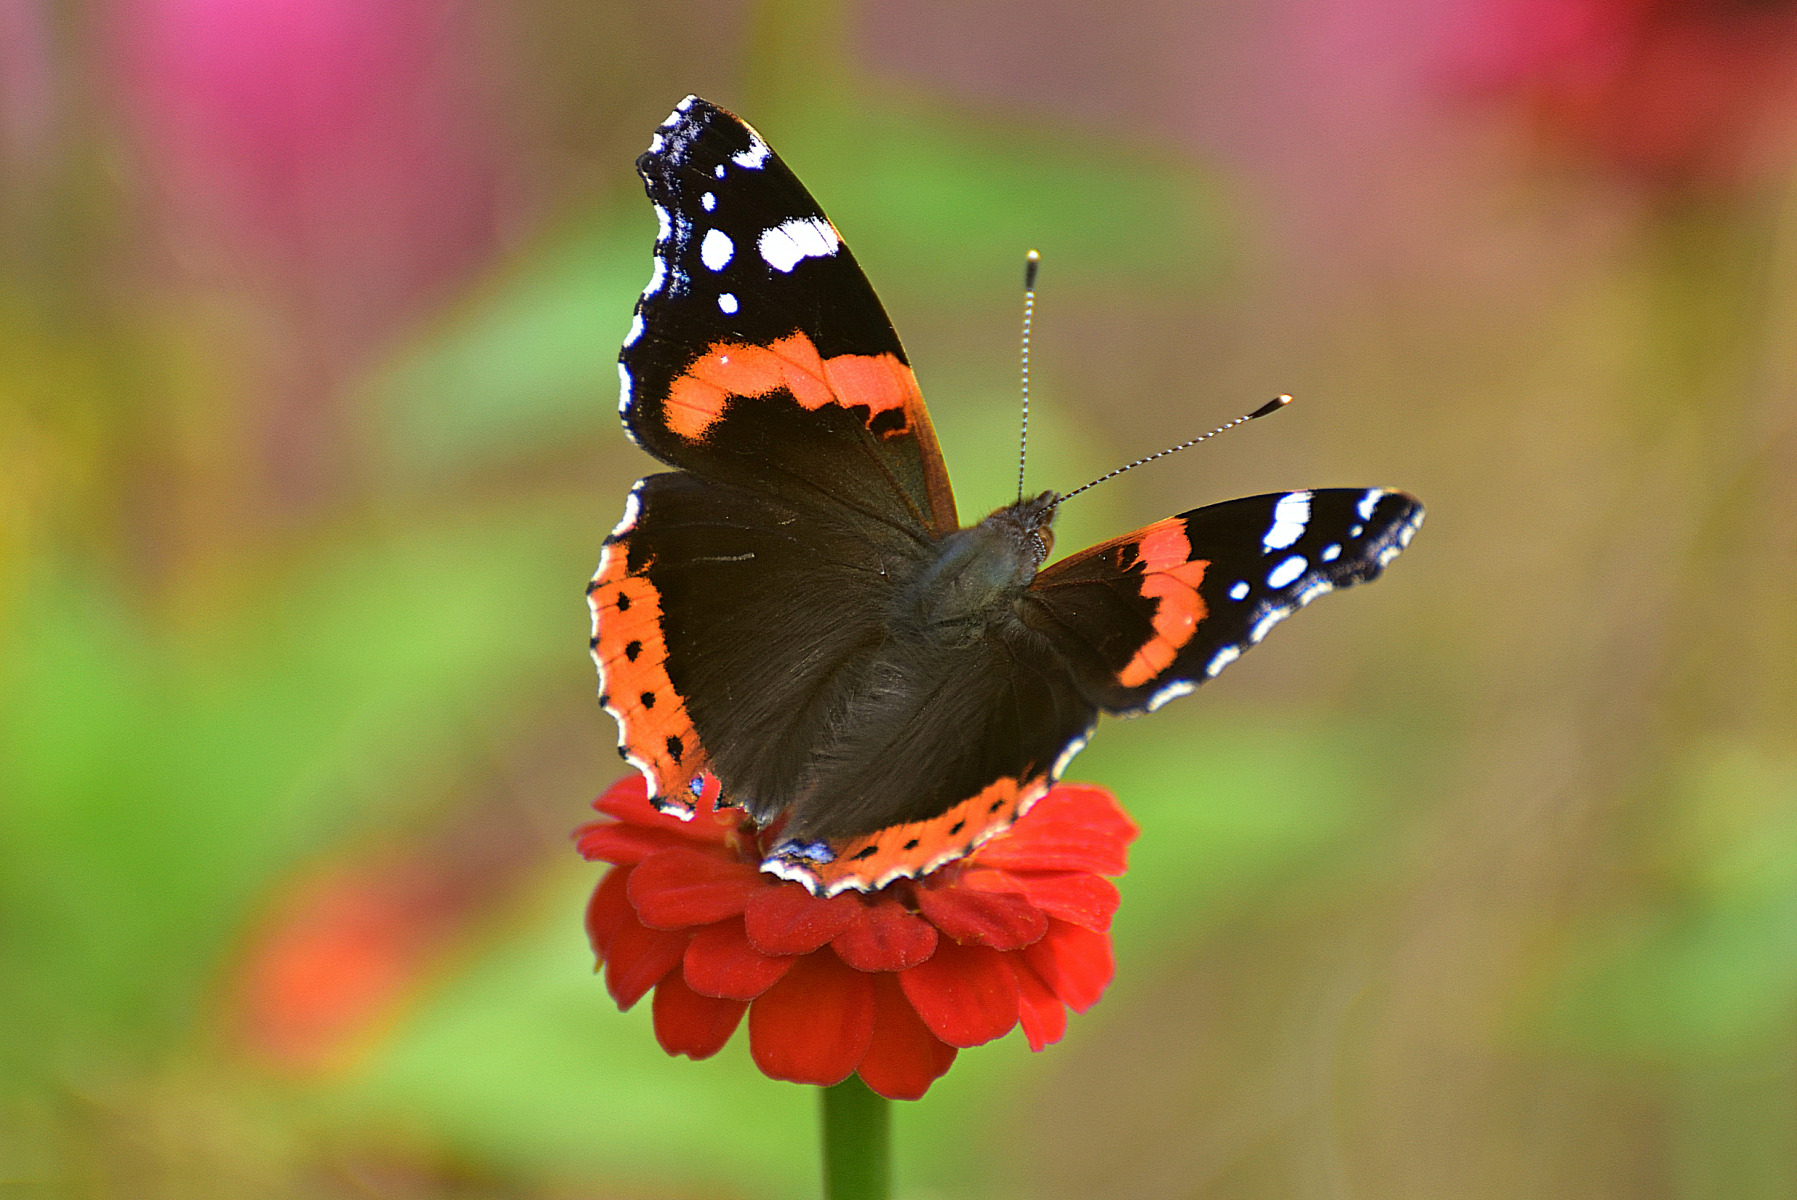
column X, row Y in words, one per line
column 675, row 749
column 632, row 650
column 911, row 845
column 959, row 825
column 623, row 602
column 648, row 699
column 867, row 851
column 996, row 805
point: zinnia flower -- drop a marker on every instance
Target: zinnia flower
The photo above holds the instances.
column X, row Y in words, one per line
column 888, row 984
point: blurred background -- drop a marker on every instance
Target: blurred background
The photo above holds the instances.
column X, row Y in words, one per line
column 1482, row 883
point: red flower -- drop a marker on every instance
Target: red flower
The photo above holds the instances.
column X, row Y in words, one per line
column 888, row 984
column 1675, row 92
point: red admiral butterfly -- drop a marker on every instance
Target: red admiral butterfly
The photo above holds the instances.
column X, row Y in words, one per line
column 796, row 609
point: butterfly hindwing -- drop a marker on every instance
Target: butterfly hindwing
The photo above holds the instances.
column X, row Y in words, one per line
column 1149, row 616
column 759, row 354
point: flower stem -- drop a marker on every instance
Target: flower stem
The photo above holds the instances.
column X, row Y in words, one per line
column 857, row 1142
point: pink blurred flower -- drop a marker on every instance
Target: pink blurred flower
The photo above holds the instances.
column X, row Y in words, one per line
column 342, row 142
column 1677, row 93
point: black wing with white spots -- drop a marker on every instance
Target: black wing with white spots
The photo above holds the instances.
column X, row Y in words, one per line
column 1149, row 616
column 759, row 355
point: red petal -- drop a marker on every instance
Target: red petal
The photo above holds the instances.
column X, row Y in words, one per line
column 1001, row 921
column 813, row 1026
column 1039, row 1010
column 1070, row 895
column 884, row 937
column 1073, row 828
column 965, row 994
column 690, row 1024
column 639, row 958
column 628, row 801
column 790, row 920
column 609, row 910
column 904, row 1057
column 616, row 842
column 679, row 888
column 1076, row 963
column 721, row 962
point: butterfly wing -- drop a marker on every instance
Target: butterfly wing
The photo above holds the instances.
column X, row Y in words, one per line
column 759, row 355
column 1149, row 616
column 726, row 624
column 741, row 595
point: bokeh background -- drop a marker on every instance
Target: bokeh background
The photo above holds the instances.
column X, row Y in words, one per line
column 1481, row 883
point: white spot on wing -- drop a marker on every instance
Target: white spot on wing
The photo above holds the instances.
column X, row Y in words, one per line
column 633, row 506
column 623, row 388
column 708, row 201
column 1239, row 590
column 755, row 157
column 718, row 170
column 783, row 246
column 716, row 249
column 1369, row 502
column 1221, row 659
column 636, row 329
column 664, row 221
column 656, row 143
column 727, row 303
column 1331, row 552
column 1290, row 515
column 1174, row 690
column 1265, row 625
column 657, row 277
column 1287, row 571
column 1319, row 588
column 1067, row 754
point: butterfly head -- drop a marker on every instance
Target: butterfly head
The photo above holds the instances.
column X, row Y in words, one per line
column 1028, row 526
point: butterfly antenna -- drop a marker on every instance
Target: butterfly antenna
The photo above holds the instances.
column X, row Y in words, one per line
column 1030, row 263
column 1271, row 406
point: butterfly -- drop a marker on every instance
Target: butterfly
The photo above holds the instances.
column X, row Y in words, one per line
column 796, row 610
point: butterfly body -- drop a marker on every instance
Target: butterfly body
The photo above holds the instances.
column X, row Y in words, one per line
column 796, row 611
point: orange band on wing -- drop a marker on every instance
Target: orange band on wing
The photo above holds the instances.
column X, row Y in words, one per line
column 654, row 731
column 878, row 382
column 908, row 851
column 1171, row 580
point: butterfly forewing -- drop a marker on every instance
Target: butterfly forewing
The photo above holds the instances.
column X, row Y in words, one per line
column 1150, row 615
column 759, row 355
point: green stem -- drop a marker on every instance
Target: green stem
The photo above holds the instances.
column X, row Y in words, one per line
column 857, row 1142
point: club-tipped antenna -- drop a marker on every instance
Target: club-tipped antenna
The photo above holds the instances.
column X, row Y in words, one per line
column 1031, row 261
column 1271, row 406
